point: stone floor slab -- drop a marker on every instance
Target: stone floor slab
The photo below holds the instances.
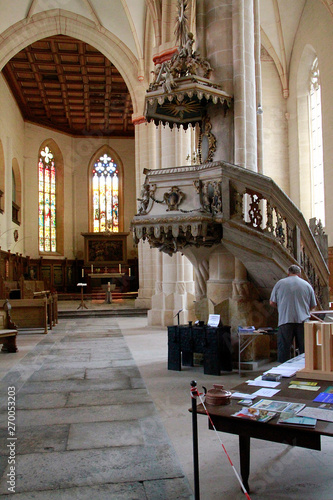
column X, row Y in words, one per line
column 76, row 385
column 41, row 438
column 93, row 398
column 122, row 491
column 104, row 435
column 85, row 414
column 175, row 489
column 83, row 468
column 31, row 402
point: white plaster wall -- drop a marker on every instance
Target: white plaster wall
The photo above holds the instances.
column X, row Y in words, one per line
column 275, row 127
column 77, row 153
column 316, row 29
column 83, row 150
column 34, row 136
column 12, row 137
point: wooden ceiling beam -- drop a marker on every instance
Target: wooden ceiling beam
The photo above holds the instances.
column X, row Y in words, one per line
column 60, row 73
column 67, row 84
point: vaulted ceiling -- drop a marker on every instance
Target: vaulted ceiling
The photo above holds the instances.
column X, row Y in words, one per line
column 66, row 84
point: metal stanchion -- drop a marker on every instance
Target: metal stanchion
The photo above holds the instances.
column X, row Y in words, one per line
column 194, row 393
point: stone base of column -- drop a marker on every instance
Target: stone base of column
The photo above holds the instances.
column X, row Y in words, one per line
column 166, row 306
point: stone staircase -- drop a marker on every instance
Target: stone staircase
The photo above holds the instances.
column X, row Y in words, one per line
column 193, row 208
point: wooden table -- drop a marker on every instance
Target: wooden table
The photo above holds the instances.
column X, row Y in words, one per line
column 270, row 431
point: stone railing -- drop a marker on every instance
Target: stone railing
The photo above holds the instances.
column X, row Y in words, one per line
column 204, row 205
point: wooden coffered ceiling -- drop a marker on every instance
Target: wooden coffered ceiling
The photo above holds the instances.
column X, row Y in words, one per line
column 68, row 85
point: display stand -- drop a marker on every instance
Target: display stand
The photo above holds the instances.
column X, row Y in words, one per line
column 213, row 343
column 246, row 337
column 82, row 304
column 318, row 347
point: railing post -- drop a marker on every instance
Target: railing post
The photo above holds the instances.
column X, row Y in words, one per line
column 297, row 244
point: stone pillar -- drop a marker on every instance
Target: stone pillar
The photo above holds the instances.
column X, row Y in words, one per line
column 257, row 56
column 228, row 33
column 174, row 285
column 214, row 41
column 244, row 84
column 145, row 154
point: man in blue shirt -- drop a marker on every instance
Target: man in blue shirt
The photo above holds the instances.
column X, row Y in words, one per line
column 294, row 299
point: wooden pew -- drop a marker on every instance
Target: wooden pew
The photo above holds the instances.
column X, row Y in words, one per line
column 52, row 306
column 8, row 332
column 29, row 313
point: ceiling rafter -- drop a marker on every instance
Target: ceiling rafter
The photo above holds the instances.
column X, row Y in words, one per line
column 66, row 84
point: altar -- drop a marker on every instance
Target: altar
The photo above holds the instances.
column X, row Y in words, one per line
column 103, row 249
column 99, row 279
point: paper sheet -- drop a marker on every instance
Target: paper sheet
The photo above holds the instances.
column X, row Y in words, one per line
column 242, row 395
column 267, row 393
column 318, row 413
column 263, row 383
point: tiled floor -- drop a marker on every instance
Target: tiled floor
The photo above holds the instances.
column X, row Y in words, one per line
column 83, row 425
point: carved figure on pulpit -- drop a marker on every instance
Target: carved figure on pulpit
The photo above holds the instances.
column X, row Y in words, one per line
column 217, row 199
column 205, row 197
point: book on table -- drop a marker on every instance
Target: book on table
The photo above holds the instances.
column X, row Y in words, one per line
column 254, row 414
column 277, row 406
column 291, row 418
column 326, row 396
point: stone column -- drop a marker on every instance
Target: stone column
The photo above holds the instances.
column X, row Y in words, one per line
column 145, row 158
column 174, row 285
column 244, row 84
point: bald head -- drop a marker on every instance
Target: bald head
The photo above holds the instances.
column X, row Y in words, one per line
column 295, row 270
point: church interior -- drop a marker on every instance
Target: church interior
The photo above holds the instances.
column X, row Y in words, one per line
column 162, row 161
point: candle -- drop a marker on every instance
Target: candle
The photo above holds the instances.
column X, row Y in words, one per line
column 129, row 271
column 82, row 273
column 92, row 268
column 109, row 287
column 120, row 268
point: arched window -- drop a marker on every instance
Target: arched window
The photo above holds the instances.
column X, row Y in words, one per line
column 105, row 194
column 316, row 138
column 47, row 229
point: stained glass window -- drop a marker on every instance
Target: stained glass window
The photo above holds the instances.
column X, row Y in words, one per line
column 47, row 201
column 105, row 184
column 317, row 144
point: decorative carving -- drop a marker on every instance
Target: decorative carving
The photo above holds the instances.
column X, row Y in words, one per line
column 147, row 194
column 207, row 141
column 321, row 238
column 254, row 212
column 173, row 198
column 180, row 88
column 210, row 195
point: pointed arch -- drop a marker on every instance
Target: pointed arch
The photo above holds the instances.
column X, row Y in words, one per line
column 61, row 22
column 116, row 200
column 58, row 198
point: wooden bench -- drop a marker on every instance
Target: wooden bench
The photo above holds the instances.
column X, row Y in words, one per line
column 52, row 306
column 8, row 330
column 29, row 313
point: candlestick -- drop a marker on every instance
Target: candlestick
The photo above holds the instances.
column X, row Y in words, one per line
column 109, row 286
